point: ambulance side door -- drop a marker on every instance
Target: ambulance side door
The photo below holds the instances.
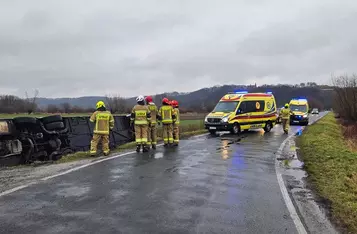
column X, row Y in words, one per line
column 243, row 115
column 255, row 108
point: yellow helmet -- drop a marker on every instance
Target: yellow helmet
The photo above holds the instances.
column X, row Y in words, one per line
column 100, row 104
column 286, row 105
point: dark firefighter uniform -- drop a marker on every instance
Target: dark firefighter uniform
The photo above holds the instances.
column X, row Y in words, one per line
column 176, row 125
column 167, row 117
column 141, row 117
column 152, row 128
column 104, row 122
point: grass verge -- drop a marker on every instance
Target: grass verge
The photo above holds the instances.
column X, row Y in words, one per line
column 332, row 169
column 131, row 145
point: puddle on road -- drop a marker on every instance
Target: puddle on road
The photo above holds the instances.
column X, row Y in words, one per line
column 158, row 155
column 73, row 191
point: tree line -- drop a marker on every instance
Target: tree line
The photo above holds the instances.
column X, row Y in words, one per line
column 200, row 101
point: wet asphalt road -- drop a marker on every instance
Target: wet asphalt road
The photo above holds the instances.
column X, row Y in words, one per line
column 223, row 184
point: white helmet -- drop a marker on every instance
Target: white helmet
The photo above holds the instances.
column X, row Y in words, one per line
column 140, row 98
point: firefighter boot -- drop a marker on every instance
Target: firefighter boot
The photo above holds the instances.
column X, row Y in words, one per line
column 138, row 148
column 145, row 148
column 153, row 146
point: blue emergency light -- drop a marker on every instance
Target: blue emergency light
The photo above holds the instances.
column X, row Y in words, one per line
column 241, row 92
column 269, row 92
column 300, row 99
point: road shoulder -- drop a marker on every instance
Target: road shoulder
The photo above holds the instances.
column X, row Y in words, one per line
column 310, row 208
column 332, row 168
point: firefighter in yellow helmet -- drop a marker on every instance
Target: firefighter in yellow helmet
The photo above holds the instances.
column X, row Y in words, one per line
column 167, row 117
column 285, row 117
column 176, row 125
column 152, row 128
column 141, row 117
column 104, row 122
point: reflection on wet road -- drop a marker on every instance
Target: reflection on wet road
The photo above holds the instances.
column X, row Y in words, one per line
column 223, row 184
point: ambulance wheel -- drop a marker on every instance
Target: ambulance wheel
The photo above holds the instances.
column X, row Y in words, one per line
column 268, row 127
column 236, row 129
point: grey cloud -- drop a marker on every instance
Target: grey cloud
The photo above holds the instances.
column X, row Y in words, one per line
column 96, row 47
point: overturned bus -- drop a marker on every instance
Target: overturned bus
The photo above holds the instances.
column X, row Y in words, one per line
column 28, row 139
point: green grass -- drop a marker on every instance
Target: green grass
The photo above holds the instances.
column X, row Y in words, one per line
column 188, row 122
column 332, row 169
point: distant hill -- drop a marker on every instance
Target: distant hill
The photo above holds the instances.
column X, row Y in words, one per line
column 84, row 102
column 206, row 98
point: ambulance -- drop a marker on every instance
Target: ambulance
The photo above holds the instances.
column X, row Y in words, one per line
column 243, row 111
column 300, row 109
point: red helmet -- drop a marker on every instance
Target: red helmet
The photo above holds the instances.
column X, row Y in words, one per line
column 165, row 101
column 148, row 99
column 174, row 103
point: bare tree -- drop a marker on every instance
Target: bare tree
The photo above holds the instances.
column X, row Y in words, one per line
column 32, row 105
column 116, row 103
column 345, row 100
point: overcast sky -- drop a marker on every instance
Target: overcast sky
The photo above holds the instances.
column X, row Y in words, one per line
column 69, row 48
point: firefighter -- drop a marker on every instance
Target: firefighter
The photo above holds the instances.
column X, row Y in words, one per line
column 104, row 122
column 176, row 124
column 167, row 117
column 285, row 117
column 141, row 117
column 152, row 128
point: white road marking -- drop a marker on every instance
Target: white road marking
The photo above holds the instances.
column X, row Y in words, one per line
column 75, row 169
column 289, row 204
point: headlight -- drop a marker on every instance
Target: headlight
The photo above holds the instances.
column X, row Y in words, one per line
column 305, row 116
column 225, row 119
column 206, row 119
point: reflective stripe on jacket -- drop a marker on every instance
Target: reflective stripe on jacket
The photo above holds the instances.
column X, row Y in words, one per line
column 103, row 122
column 177, row 114
column 285, row 113
column 166, row 114
column 140, row 114
column 153, row 112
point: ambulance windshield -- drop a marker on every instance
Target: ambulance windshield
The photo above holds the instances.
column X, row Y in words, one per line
column 225, row 107
column 300, row 108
